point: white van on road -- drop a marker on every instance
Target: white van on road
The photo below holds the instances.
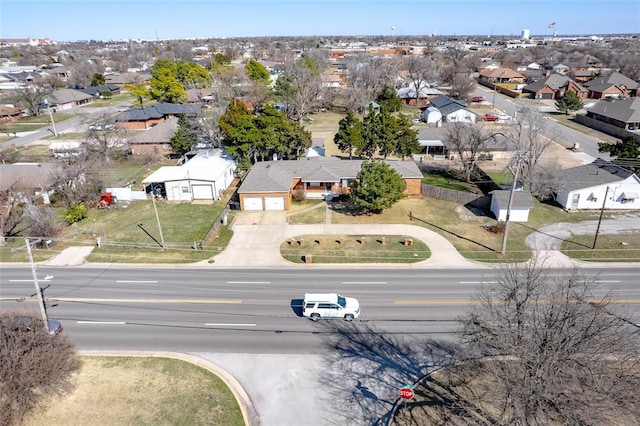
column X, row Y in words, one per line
column 329, row 305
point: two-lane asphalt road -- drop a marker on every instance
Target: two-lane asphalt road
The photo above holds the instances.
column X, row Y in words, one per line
column 252, row 311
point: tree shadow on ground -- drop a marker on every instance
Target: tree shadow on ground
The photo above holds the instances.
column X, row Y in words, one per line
column 453, row 233
column 537, row 231
column 366, row 368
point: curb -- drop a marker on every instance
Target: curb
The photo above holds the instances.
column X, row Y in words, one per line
column 249, row 413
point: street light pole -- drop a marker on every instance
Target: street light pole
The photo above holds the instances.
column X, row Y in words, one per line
column 53, row 123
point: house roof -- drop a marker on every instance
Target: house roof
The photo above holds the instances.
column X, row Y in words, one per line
column 276, row 176
column 521, row 199
column 96, row 90
column 500, row 73
column 25, row 176
column 65, row 96
column 625, row 110
column 162, row 133
column 613, row 79
column 158, row 110
column 207, row 165
column 599, row 172
column 554, row 81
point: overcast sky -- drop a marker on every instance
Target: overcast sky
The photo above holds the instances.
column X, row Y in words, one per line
column 67, row 20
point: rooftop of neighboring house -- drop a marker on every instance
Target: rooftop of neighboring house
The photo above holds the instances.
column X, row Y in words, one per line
column 599, row 172
column 626, row 110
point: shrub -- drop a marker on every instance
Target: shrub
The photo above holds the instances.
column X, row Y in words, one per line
column 75, row 213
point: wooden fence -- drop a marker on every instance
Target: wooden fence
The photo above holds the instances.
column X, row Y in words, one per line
column 474, row 200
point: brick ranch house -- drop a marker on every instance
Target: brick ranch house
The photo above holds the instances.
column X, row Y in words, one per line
column 270, row 185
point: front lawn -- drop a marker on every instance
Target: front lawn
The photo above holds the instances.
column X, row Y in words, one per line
column 354, row 249
column 609, row 247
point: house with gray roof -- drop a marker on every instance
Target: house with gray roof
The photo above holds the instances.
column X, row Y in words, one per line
column 155, row 140
column 600, row 183
column 270, row 185
column 147, row 117
column 612, row 85
column 65, row 99
column 26, row 180
column 452, row 110
column 554, row 86
column 622, row 113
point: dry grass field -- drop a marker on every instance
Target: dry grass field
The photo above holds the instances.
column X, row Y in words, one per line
column 141, row 391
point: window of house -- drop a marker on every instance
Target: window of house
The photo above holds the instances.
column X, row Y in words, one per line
column 185, row 189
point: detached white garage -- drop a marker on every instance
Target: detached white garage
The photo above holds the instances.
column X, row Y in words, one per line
column 274, row 203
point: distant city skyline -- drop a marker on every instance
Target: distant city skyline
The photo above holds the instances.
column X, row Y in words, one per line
column 70, row 20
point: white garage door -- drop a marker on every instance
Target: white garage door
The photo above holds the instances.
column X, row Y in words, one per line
column 202, row 192
column 274, row 203
column 253, row 203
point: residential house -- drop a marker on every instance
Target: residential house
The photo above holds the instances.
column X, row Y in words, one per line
column 9, row 113
column 597, row 185
column 147, row 117
column 452, row 110
column 206, row 176
column 612, row 85
column 128, row 78
column 270, row 185
column 26, row 180
column 66, row 99
column 97, row 91
column 622, row 113
column 409, row 95
column 521, row 204
column 155, row 140
column 501, row 75
column 554, row 86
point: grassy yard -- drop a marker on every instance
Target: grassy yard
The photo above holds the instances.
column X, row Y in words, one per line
column 609, row 248
column 466, row 230
column 114, row 100
column 128, row 391
column 35, row 123
column 567, row 120
column 354, row 249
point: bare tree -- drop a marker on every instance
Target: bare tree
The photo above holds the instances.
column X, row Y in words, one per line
column 558, row 349
column 10, row 215
column 106, row 139
column 300, row 85
column 35, row 365
column 40, row 221
column 421, row 71
column 467, row 141
column 31, row 98
column 530, row 138
column 461, row 86
column 367, row 76
column 78, row 180
column 82, row 72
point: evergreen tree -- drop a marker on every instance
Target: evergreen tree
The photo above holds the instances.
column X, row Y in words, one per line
column 372, row 134
column 97, row 79
column 628, row 147
column 569, row 102
column 406, row 138
column 377, row 187
column 185, row 137
column 388, row 98
column 349, row 136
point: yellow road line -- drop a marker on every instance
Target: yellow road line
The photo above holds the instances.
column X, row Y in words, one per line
column 100, row 300
column 476, row 302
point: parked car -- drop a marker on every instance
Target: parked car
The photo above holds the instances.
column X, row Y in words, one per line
column 503, row 117
column 490, row 117
column 329, row 305
column 477, row 99
column 102, row 126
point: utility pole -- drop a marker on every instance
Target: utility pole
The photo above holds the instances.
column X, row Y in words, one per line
column 511, row 195
column 43, row 308
column 595, row 239
column 153, row 200
column 53, row 123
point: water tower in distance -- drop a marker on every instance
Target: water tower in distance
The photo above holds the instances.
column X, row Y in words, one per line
column 525, row 35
